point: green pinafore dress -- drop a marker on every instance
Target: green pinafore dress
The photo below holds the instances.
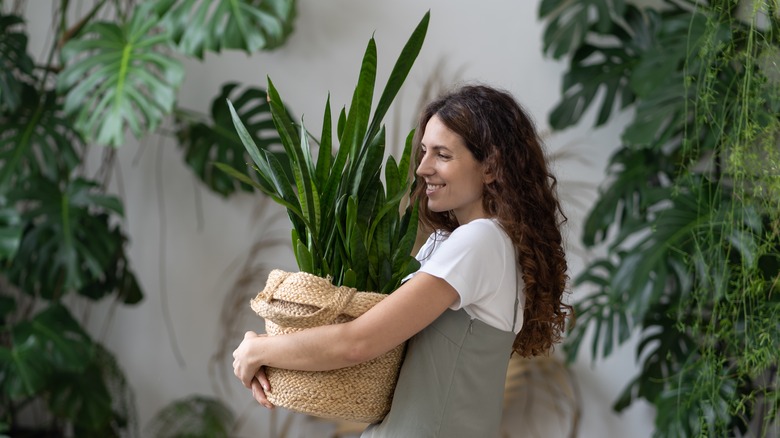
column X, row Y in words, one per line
column 451, row 384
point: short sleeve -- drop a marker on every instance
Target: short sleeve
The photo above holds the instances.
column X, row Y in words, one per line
column 471, row 259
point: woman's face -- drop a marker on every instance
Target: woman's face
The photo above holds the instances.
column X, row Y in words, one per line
column 453, row 177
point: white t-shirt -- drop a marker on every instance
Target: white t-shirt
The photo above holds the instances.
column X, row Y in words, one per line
column 478, row 260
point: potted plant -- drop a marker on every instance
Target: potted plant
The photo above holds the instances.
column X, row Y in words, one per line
column 349, row 234
column 689, row 217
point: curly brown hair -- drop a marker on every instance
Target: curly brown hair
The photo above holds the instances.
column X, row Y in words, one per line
column 523, row 199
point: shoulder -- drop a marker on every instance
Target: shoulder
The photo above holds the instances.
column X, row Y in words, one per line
column 476, row 239
column 481, row 232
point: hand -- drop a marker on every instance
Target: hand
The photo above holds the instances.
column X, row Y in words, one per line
column 259, row 386
column 245, row 366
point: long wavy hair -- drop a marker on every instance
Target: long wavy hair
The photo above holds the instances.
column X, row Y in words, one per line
column 522, row 197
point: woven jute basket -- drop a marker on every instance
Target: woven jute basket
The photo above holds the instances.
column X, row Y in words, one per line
column 295, row 301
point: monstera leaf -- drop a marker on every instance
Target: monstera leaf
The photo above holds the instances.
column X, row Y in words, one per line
column 117, row 278
column 49, row 343
column 605, row 67
column 118, row 76
column 626, row 195
column 37, row 139
column 10, row 230
column 569, row 22
column 249, row 25
column 205, row 143
column 96, row 400
column 658, row 78
column 69, row 239
column 193, row 416
column 14, row 62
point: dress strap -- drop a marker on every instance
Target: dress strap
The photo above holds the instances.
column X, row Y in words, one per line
column 517, row 302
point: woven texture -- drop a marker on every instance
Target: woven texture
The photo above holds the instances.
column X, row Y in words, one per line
column 362, row 393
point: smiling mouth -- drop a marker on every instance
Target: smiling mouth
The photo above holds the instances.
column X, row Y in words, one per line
column 432, row 188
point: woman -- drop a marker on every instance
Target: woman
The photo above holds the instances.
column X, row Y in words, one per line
column 491, row 281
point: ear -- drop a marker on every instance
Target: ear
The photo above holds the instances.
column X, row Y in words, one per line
column 488, row 176
column 489, row 168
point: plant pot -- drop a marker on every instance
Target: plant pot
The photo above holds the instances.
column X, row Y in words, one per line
column 362, row 393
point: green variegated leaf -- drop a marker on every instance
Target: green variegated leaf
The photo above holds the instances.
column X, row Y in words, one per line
column 359, row 110
column 397, row 77
column 303, row 257
column 325, row 153
column 118, row 76
column 345, row 222
column 250, row 25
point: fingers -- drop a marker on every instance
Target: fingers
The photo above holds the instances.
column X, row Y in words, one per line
column 263, row 379
column 259, row 393
column 244, row 375
column 246, row 363
column 242, row 369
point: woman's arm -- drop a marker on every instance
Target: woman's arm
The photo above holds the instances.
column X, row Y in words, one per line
column 409, row 309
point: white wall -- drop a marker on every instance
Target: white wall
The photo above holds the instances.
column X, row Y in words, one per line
column 185, row 241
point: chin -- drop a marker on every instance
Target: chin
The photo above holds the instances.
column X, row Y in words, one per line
column 436, row 209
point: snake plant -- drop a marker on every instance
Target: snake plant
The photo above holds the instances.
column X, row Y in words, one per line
column 347, row 225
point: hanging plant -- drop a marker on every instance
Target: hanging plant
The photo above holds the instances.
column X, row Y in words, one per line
column 690, row 213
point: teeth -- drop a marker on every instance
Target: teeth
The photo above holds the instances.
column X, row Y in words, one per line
column 435, row 186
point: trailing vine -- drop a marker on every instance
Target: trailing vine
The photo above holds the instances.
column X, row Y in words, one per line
column 690, row 213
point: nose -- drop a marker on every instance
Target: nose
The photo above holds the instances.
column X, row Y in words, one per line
column 424, row 168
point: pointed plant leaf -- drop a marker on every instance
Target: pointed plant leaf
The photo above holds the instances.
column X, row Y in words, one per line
column 360, row 109
column 216, row 140
column 400, row 71
column 347, row 226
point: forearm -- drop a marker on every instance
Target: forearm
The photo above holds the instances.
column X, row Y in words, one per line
column 315, row 349
column 389, row 323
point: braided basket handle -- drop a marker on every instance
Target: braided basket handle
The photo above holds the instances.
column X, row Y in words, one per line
column 305, row 289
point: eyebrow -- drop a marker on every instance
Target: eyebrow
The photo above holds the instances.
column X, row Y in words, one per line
column 435, row 147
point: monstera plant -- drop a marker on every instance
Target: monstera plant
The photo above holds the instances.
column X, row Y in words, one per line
column 61, row 232
column 688, row 220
